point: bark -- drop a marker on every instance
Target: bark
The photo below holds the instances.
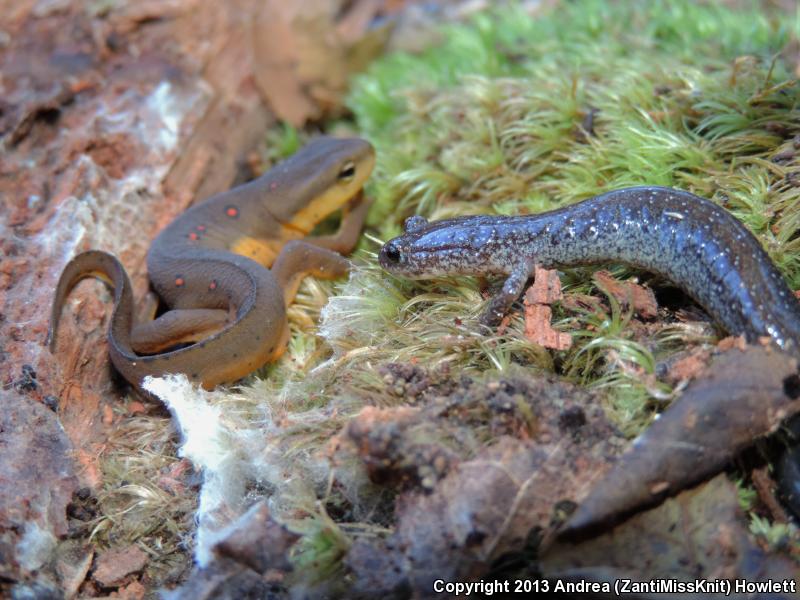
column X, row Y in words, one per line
column 111, row 124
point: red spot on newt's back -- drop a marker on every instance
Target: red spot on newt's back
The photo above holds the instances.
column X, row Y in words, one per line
column 179, row 281
column 201, row 228
column 232, row 211
column 193, row 236
column 213, row 285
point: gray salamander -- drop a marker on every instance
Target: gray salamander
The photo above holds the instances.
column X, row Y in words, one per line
column 682, row 237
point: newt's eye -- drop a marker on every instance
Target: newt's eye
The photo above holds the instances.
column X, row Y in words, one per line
column 391, row 252
column 347, row 172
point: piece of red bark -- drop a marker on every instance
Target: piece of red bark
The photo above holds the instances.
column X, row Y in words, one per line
column 546, row 290
column 113, row 566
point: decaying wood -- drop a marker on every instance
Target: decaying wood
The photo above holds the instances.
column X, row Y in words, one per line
column 741, row 397
column 113, row 119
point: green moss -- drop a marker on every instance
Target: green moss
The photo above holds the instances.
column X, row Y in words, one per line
column 775, row 535
column 284, row 141
column 514, row 114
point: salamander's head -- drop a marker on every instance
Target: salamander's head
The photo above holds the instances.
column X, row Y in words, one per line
column 319, row 179
column 458, row 246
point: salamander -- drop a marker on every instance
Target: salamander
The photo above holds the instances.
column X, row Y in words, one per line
column 687, row 239
column 228, row 267
column 682, row 237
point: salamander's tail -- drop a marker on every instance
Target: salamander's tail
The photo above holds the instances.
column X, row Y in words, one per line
column 107, row 268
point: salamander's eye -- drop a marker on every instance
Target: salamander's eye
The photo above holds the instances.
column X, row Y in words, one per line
column 347, row 172
column 391, row 252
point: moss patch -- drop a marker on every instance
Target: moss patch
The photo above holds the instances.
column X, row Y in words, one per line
column 517, row 114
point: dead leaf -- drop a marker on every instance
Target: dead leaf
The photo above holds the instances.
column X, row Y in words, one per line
column 306, row 51
column 226, row 579
column 741, row 398
column 258, row 541
column 74, row 557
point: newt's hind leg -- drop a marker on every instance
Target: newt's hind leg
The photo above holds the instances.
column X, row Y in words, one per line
column 180, row 326
column 344, row 240
column 147, row 307
column 300, row 258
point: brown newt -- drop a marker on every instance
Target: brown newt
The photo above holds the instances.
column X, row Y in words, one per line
column 228, row 267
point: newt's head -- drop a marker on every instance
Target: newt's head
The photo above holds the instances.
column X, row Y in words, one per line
column 458, row 246
column 319, row 179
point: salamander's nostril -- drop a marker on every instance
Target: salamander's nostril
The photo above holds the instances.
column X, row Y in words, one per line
column 391, row 252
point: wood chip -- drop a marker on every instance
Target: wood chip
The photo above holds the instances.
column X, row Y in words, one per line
column 730, row 342
column 629, row 294
column 689, row 367
column 113, row 566
column 545, row 290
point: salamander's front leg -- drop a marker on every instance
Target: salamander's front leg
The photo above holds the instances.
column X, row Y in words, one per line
column 502, row 301
column 353, row 216
column 300, row 258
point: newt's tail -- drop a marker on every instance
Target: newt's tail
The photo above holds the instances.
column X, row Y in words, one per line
column 106, row 267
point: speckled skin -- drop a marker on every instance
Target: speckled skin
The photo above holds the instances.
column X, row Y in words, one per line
column 682, row 237
column 686, row 239
column 210, row 268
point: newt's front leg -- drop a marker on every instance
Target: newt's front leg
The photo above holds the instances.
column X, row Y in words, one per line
column 300, row 258
column 344, row 240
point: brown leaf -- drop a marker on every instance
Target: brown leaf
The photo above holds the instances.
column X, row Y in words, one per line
column 743, row 396
column 225, row 579
column 700, row 534
column 73, row 560
column 306, row 51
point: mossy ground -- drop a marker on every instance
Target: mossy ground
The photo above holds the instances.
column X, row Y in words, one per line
column 516, row 113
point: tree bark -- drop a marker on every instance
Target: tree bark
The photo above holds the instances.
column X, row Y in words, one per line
column 111, row 124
